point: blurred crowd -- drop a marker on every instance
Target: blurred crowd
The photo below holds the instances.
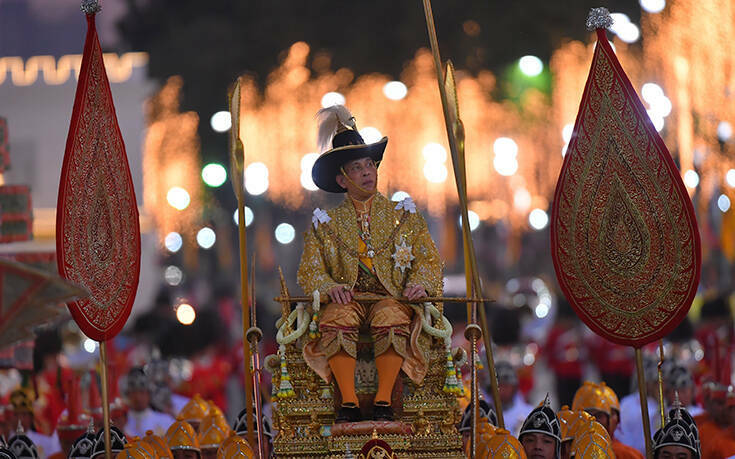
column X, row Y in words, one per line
column 168, row 380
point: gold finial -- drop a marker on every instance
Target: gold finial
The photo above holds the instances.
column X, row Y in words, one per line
column 284, row 287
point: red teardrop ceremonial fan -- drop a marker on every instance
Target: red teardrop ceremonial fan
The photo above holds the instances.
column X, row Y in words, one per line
column 97, row 229
column 624, row 236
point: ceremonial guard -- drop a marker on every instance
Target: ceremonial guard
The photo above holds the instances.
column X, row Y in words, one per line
column 159, row 444
column 23, row 447
column 83, row 446
column 711, row 424
column 629, row 430
column 235, row 448
column 22, row 405
column 141, row 417
column 194, row 411
column 117, row 442
column 515, row 408
column 622, row 451
column 69, row 429
column 601, row 402
column 486, row 416
column 540, row 434
column 498, row 443
column 182, row 441
column 591, row 441
column 679, row 383
column 570, row 425
column 241, row 428
column 676, row 440
column 366, row 246
column 212, row 432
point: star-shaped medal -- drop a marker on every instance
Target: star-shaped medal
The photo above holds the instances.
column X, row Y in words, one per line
column 403, row 255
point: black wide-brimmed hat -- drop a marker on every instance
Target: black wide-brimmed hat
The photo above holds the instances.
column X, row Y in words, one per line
column 340, row 142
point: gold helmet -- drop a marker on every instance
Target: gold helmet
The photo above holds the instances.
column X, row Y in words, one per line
column 159, row 445
column 146, row 446
column 484, row 427
column 610, row 396
column 485, row 430
column 566, row 419
column 213, row 431
column 500, row 444
column 571, row 421
column 21, row 400
column 214, row 409
column 592, row 442
column 133, row 451
column 181, row 435
column 194, row 410
column 235, row 447
column 590, row 397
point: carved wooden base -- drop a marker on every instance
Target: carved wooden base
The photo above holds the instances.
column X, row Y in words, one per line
column 426, row 417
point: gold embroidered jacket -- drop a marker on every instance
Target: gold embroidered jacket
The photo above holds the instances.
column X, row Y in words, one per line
column 330, row 255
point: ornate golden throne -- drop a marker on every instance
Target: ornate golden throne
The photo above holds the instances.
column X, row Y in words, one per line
column 304, row 405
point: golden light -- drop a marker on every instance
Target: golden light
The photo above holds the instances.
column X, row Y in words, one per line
column 171, row 159
column 186, row 314
column 256, row 178
column 178, row 198
column 295, row 91
column 512, row 150
column 395, row 90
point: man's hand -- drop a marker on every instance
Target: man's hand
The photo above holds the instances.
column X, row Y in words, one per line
column 414, row 292
column 340, row 294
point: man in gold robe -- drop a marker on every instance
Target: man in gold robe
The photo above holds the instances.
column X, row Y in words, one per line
column 367, row 246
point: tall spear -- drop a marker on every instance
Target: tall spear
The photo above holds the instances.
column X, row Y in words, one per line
column 237, row 159
column 253, row 336
column 455, row 131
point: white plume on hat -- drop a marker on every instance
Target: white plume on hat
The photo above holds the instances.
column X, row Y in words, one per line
column 330, row 119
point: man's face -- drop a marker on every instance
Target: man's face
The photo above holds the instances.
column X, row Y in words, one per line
column 566, row 449
column 507, row 392
column 674, row 452
column 362, row 172
column 209, row 453
column 614, row 421
column 139, row 399
column 539, row 446
column 601, row 417
column 185, row 454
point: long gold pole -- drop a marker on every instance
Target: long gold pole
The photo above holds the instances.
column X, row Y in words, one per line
column 376, row 298
column 644, row 402
column 253, row 341
column 462, row 191
column 661, row 382
column 237, row 158
column 105, row 398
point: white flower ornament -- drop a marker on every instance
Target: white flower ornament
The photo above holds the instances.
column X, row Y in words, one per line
column 320, row 216
column 407, row 204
